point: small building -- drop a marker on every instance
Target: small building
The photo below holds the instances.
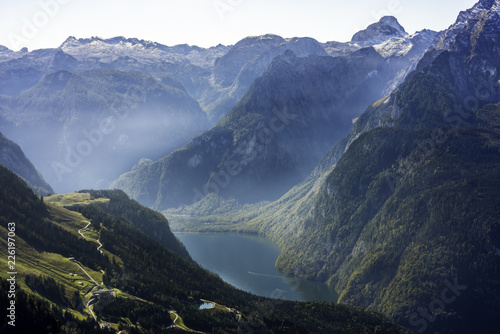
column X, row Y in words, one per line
column 104, row 295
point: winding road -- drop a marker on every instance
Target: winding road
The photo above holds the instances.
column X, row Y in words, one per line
column 86, row 228
column 90, row 309
column 91, row 300
column 98, row 248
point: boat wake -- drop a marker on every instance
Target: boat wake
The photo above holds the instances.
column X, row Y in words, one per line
column 265, row 275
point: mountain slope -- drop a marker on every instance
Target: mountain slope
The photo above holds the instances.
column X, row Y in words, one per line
column 148, row 221
column 99, row 123
column 284, row 124
column 271, row 139
column 247, row 60
column 13, row 158
column 131, row 282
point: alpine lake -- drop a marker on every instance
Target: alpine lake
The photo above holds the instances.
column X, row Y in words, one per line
column 248, row 263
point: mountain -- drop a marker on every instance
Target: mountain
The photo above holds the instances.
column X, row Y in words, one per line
column 13, row 158
column 117, row 203
column 199, row 70
column 402, row 54
column 388, row 27
column 281, row 128
column 108, row 80
column 144, row 91
column 8, row 54
column 272, row 139
column 99, row 123
column 246, row 61
column 81, row 268
column 190, row 65
column 216, row 77
column 110, row 51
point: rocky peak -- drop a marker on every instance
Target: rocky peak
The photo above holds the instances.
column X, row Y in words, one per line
column 379, row 32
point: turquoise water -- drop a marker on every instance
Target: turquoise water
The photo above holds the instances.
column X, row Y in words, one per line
column 206, row 306
column 248, row 263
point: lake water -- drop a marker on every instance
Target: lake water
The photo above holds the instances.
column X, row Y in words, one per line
column 206, row 306
column 248, row 263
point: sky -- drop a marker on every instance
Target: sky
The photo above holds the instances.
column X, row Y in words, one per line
column 37, row 24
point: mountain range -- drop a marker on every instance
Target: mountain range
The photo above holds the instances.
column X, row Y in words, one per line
column 374, row 164
column 277, row 133
column 70, row 91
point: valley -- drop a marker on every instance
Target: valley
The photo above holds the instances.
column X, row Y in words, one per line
column 122, row 286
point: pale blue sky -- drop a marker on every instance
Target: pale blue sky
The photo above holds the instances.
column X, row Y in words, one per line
column 209, row 22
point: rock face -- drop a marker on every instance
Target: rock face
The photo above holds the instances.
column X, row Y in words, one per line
column 379, row 32
column 13, row 158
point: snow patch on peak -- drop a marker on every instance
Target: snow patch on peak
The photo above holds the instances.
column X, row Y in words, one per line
column 70, row 41
column 268, row 39
column 401, row 46
column 7, row 54
column 488, row 5
column 339, row 49
column 146, row 52
column 304, row 46
column 394, row 47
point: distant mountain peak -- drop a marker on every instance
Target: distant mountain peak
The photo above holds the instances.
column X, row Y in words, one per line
column 265, row 39
column 74, row 42
column 379, row 32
